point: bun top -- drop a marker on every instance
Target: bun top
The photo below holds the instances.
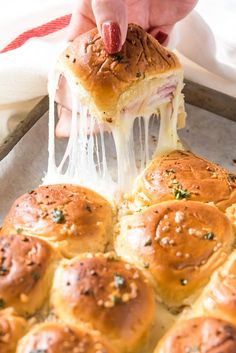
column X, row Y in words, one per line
column 24, row 266
column 181, row 174
column 180, row 243
column 200, row 335
column 103, row 78
column 107, row 295
column 219, row 299
column 74, row 217
column 12, row 328
column 60, row 338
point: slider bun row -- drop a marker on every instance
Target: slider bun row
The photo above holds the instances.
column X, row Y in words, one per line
column 54, row 260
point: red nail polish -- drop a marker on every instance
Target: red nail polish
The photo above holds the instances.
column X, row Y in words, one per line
column 161, row 37
column 111, row 36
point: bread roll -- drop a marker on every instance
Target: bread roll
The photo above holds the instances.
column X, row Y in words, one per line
column 73, row 217
column 55, row 337
column 106, row 295
column 200, row 335
column 12, row 328
column 124, row 79
column 219, row 298
column 180, row 243
column 181, row 174
column 26, row 269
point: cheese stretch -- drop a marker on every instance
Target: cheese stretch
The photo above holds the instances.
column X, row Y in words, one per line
column 87, row 159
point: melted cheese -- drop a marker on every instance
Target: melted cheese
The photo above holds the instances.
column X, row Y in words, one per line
column 87, row 159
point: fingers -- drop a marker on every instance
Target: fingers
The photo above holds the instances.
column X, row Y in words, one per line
column 112, row 22
column 82, row 19
column 64, row 123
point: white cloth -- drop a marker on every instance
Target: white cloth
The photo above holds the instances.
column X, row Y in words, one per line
column 206, row 41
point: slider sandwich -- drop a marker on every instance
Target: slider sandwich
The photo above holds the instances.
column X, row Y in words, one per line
column 112, row 91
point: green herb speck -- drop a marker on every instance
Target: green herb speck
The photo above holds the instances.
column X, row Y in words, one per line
column 180, row 193
column 118, row 57
column 148, row 242
column 146, row 265
column 119, row 280
column 57, row 216
column 35, row 276
column 116, row 300
column 2, row 303
column 184, row 281
column 209, row 236
column 232, row 177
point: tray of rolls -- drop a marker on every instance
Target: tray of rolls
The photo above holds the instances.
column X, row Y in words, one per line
column 128, row 243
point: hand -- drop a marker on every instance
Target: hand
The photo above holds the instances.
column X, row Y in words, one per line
column 158, row 17
column 112, row 17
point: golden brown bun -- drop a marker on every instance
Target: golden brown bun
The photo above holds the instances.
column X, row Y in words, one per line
column 219, row 298
column 199, row 335
column 119, row 78
column 181, row 243
column 75, row 218
column 107, row 295
column 54, row 337
column 203, row 180
column 12, row 328
column 26, row 270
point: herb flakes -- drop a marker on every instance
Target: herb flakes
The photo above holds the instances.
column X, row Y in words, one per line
column 184, row 281
column 57, row 216
column 180, row 193
column 119, row 280
column 209, row 236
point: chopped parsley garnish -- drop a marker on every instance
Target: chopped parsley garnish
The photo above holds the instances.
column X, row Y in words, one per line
column 35, row 276
column 184, row 281
column 146, row 265
column 148, row 242
column 170, row 171
column 180, row 193
column 2, row 303
column 118, row 57
column 3, row 271
column 119, row 280
column 116, row 300
column 209, row 236
column 19, row 230
column 111, row 258
column 57, row 216
column 89, row 209
column 232, row 177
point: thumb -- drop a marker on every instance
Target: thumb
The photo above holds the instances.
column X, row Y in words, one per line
column 112, row 23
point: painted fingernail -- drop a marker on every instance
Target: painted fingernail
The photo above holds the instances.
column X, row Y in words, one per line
column 161, row 37
column 111, row 36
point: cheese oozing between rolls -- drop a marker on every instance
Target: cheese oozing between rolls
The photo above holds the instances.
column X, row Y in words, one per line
column 180, row 243
column 55, row 337
column 107, row 295
column 111, row 92
column 26, row 269
column 200, row 335
column 74, row 218
column 181, row 174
